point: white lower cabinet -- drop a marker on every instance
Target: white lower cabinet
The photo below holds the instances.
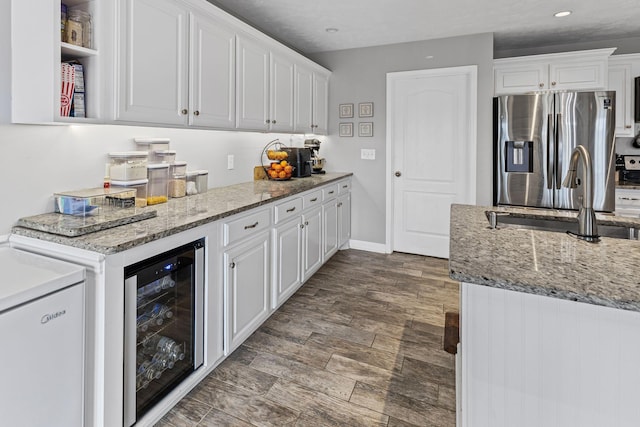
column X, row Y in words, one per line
column 246, row 284
column 312, row 242
column 287, row 256
column 330, row 228
column 344, row 219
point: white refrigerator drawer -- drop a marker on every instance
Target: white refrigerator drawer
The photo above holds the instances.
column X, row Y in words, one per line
column 42, row 361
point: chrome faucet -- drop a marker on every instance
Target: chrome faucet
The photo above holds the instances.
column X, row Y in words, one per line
column 587, row 227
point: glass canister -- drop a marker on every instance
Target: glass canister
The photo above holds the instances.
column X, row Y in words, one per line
column 157, row 190
column 128, row 165
column 79, row 29
column 202, row 181
column 178, row 179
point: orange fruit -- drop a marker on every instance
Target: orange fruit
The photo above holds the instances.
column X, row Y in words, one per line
column 282, row 174
column 283, row 163
column 276, row 167
column 288, row 169
column 273, row 174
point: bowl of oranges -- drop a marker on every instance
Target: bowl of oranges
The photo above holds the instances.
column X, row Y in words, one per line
column 276, row 167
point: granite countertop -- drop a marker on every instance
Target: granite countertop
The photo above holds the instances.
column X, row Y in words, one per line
column 185, row 213
column 545, row 263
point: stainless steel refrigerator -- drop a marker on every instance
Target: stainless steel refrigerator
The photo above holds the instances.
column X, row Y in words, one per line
column 535, row 135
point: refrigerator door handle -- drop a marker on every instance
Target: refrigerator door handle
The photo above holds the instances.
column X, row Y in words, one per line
column 558, row 151
column 130, row 290
column 550, row 151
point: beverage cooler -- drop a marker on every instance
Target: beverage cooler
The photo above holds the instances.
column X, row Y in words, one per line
column 163, row 326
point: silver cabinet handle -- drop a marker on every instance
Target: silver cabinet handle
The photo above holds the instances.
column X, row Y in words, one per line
column 315, row 199
column 331, row 192
column 345, row 186
column 627, row 127
column 251, row 226
column 627, row 198
column 232, row 265
column 540, row 85
column 196, row 113
column 184, row 111
column 292, row 209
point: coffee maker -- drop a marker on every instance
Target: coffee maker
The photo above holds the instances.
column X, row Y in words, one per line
column 317, row 162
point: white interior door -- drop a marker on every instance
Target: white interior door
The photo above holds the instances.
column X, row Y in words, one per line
column 431, row 139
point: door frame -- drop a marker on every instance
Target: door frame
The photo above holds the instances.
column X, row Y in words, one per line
column 471, row 71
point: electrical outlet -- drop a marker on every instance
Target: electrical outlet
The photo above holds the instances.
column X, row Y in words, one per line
column 368, row 154
column 230, row 160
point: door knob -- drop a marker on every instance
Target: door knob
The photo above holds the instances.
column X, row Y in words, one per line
column 398, row 173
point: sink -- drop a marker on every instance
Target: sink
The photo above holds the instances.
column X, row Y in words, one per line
column 501, row 219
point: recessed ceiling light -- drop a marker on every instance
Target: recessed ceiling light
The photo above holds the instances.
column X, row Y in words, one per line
column 429, row 57
column 562, row 14
column 331, row 30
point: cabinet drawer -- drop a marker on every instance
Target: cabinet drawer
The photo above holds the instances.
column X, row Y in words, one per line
column 288, row 209
column 329, row 192
column 237, row 229
column 312, row 199
column 344, row 187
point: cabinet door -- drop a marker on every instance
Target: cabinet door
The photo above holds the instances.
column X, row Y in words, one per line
column 620, row 81
column 287, row 260
column 329, row 229
column 152, row 83
column 252, row 73
column 247, row 288
column 320, row 103
column 282, row 73
column 303, row 111
column 583, row 75
column 344, row 219
column 312, row 242
column 519, row 79
column 212, row 96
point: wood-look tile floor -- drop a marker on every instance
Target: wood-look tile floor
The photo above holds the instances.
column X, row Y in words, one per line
column 360, row 344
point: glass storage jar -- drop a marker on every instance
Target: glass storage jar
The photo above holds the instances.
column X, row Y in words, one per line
column 157, row 190
column 140, row 187
column 79, row 29
column 128, row 165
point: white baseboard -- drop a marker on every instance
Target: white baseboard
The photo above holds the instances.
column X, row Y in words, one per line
column 362, row 245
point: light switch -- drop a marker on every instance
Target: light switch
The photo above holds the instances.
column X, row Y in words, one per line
column 230, row 160
column 368, row 153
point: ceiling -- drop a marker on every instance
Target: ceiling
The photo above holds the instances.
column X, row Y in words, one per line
column 516, row 24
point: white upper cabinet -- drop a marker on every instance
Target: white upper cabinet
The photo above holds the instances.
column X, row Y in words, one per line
column 212, row 90
column 265, row 99
column 311, row 100
column 177, row 67
column 153, row 80
column 180, row 63
column 622, row 69
column 282, row 75
column 253, row 84
column 584, row 70
column 320, row 103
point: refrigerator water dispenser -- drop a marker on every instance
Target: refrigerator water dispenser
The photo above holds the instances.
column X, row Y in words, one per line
column 519, row 156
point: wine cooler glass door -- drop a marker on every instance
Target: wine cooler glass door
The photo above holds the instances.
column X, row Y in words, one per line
column 163, row 326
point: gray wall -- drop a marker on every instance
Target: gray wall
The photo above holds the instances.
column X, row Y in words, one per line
column 359, row 75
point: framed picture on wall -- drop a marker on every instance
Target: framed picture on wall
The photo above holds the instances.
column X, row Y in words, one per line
column 365, row 129
column 345, row 129
column 365, row 109
column 346, row 111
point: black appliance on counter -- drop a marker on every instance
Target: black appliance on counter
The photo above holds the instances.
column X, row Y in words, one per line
column 629, row 169
column 300, row 159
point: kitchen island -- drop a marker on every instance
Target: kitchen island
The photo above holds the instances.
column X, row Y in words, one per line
column 549, row 323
